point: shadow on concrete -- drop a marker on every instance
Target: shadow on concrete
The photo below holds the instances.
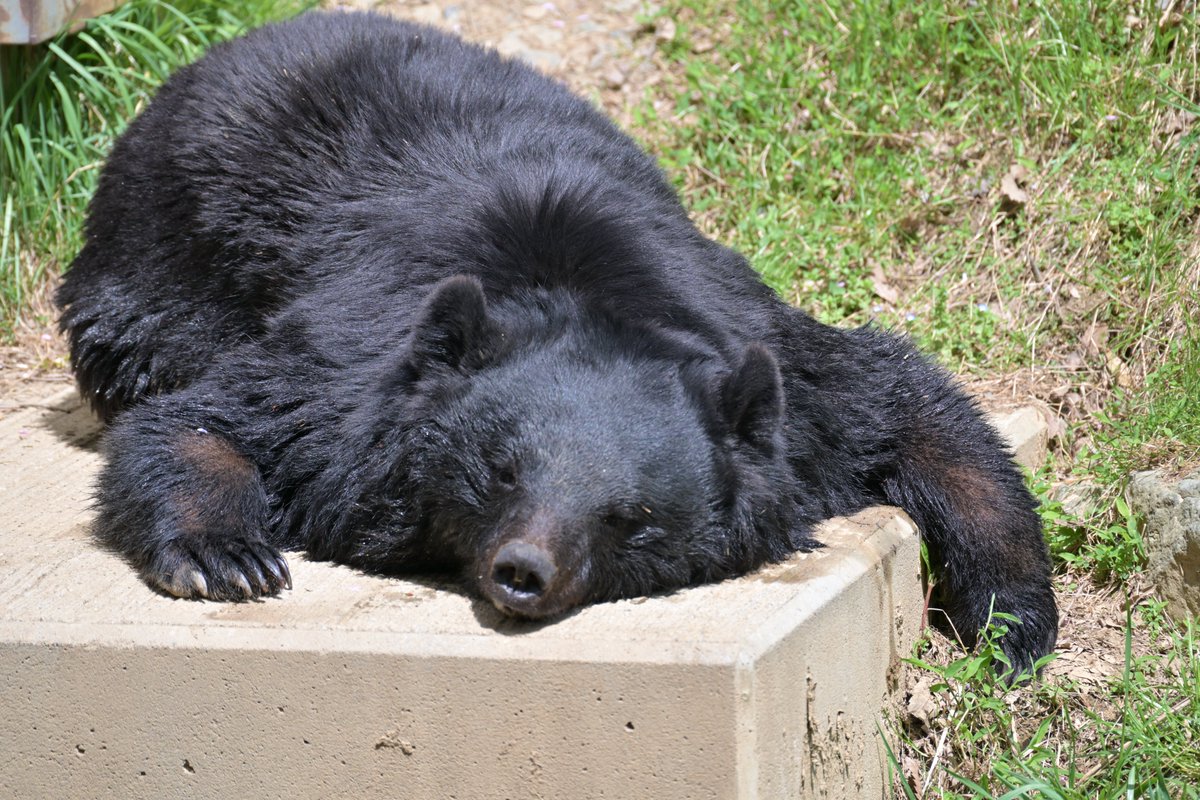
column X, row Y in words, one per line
column 490, row 617
column 72, row 422
column 484, row 611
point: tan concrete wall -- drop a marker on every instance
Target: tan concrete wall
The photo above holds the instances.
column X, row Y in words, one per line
column 351, row 685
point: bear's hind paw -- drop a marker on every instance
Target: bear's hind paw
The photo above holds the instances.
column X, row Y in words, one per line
column 229, row 571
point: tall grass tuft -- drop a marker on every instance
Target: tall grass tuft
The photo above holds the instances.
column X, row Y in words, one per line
column 63, row 102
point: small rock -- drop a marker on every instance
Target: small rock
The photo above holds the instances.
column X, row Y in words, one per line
column 392, row 741
column 429, row 14
column 1079, row 500
column 614, row 78
column 546, row 38
column 1118, row 371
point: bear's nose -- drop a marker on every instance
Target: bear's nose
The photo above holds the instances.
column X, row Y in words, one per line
column 522, row 571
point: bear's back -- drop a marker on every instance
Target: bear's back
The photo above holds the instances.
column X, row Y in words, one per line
column 277, row 134
column 337, row 166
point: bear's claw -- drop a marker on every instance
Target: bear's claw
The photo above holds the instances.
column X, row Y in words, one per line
column 230, row 570
column 186, row 582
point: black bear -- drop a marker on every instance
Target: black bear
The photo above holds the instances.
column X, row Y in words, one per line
column 355, row 286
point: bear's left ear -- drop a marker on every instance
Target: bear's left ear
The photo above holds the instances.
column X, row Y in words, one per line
column 452, row 324
column 753, row 398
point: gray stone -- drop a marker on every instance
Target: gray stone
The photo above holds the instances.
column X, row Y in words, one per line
column 614, row 78
column 429, row 14
column 1171, row 530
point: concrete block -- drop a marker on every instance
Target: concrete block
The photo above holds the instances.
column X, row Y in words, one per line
column 770, row 686
column 1027, row 432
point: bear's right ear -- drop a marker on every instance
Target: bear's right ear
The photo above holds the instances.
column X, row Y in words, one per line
column 753, row 399
column 452, row 323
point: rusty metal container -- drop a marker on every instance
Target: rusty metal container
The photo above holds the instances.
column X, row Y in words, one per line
column 32, row 21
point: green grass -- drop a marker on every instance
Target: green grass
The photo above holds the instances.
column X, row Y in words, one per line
column 1157, row 422
column 831, row 141
column 61, row 105
column 857, row 153
column 1049, row 741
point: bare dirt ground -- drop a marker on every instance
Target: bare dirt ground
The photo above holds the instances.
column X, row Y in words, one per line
column 605, row 51
column 34, row 366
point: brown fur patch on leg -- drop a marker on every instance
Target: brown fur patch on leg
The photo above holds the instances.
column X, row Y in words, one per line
column 221, row 477
column 982, row 503
column 213, row 456
column 974, row 494
column 216, row 547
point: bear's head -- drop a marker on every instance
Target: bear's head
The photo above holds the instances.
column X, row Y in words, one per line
column 563, row 455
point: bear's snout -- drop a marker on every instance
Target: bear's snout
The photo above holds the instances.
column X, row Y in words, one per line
column 521, row 580
column 523, row 569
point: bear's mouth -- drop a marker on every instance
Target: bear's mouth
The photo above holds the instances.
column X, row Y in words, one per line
column 509, row 611
column 531, row 612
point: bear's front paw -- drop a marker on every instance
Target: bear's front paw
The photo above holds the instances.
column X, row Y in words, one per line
column 229, row 569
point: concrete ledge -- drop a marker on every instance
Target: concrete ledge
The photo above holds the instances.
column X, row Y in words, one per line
column 351, row 685
column 1026, row 430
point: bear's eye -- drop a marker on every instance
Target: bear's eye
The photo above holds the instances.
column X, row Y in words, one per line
column 506, row 476
column 624, row 520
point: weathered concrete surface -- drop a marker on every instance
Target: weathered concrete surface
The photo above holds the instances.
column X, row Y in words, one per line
column 1171, row 517
column 1027, row 432
column 357, row 686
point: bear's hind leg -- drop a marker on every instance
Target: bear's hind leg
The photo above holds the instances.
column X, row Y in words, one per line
column 190, row 511
column 980, row 523
column 148, row 320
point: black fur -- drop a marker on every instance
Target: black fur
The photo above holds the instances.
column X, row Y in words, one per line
column 355, row 286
